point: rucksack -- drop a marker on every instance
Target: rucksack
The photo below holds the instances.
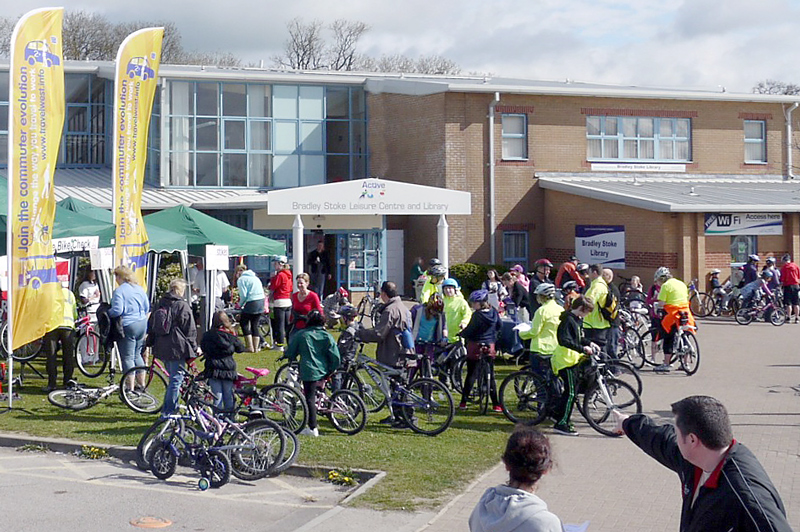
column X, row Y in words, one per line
column 610, row 309
column 162, row 320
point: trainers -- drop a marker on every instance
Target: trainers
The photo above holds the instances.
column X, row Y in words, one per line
column 568, row 430
column 497, row 408
column 462, row 406
column 663, row 368
column 387, row 421
column 310, row 432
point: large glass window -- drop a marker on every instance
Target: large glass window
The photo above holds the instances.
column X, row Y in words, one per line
column 258, row 135
column 638, row 138
column 755, row 141
column 515, row 137
column 515, row 248
column 86, row 114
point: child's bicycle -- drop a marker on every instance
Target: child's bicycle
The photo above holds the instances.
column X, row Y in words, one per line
column 769, row 311
column 278, row 402
column 91, row 355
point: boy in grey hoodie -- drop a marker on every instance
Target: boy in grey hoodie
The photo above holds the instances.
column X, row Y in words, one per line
column 514, row 507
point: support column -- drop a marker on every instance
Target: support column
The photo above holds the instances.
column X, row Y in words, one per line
column 700, row 249
column 298, row 246
column 685, row 231
column 792, row 234
column 442, row 232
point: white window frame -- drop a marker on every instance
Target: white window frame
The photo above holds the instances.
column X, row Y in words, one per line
column 508, row 137
column 762, row 141
column 614, row 136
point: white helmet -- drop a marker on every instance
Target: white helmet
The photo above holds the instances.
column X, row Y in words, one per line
column 715, row 270
column 281, row 258
column 547, row 290
column 663, row 271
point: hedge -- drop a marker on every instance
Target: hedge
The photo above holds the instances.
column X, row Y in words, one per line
column 471, row 276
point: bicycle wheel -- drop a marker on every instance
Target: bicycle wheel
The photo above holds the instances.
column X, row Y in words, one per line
column 597, row 410
column 744, row 316
column 289, row 375
column 347, row 412
column 483, row 385
column 688, row 352
column 71, row 399
column 90, row 355
column 290, row 453
column 216, row 467
column 618, row 369
column 523, row 397
column 700, row 304
column 427, row 406
column 363, row 384
column 147, row 394
column 777, row 317
column 258, row 450
column 28, row 351
column 459, row 376
column 163, row 429
column 265, row 329
column 632, row 348
column 651, row 348
column 284, row 405
column 162, row 460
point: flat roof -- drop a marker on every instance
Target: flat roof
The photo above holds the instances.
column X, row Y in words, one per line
column 681, row 192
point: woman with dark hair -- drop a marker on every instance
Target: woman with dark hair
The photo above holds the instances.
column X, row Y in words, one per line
column 514, row 506
column 218, row 345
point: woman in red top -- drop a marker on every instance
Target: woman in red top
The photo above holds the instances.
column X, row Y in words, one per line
column 304, row 301
column 280, row 295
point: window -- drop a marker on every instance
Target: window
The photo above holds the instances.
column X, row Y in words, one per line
column 515, row 248
column 515, row 137
column 742, row 246
column 755, row 141
column 638, row 138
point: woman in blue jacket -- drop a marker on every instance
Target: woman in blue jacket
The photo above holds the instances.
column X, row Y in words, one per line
column 251, row 300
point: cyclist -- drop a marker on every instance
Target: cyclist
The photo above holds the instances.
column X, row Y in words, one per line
column 595, row 325
column 481, row 331
column 583, row 271
column 347, row 342
column 433, row 284
column 541, row 269
column 673, row 298
column 571, row 293
column 456, row 309
column 790, row 280
column 776, row 275
column 750, row 269
column 542, row 333
column 752, row 293
column 718, row 292
column 427, row 323
column 567, row 272
column 572, row 345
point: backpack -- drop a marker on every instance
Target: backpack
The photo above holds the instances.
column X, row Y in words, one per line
column 610, row 309
column 162, row 320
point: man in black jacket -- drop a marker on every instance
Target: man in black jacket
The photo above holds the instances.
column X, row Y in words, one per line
column 724, row 487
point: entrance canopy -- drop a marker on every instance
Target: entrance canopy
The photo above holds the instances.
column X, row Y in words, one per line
column 201, row 229
column 368, row 196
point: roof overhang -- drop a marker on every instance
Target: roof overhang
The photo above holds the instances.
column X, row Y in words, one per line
column 369, row 196
column 681, row 193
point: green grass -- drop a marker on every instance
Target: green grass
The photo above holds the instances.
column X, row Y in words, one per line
column 422, row 471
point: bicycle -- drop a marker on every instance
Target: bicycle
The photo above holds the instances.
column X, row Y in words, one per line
column 686, row 348
column 24, row 353
column 264, row 326
column 526, row 396
column 770, row 312
column 482, row 386
column 278, row 402
column 91, row 355
column 699, row 302
column 370, row 305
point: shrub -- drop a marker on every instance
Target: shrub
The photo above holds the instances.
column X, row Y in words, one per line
column 471, row 276
column 166, row 273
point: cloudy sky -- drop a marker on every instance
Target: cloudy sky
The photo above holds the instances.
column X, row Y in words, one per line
column 672, row 43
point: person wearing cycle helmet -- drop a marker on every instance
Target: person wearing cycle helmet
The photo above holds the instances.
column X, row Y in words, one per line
column 347, row 342
column 541, row 274
column 433, row 284
column 482, row 330
column 582, row 270
column 319, row 357
column 776, row 274
column 571, row 293
column 595, row 326
column 673, row 298
column 456, row 309
column 751, row 269
column 544, row 327
column 568, row 272
column 753, row 293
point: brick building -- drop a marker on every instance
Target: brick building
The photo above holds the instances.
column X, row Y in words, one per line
column 692, row 180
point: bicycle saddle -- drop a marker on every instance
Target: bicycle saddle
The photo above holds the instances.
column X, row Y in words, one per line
column 258, row 372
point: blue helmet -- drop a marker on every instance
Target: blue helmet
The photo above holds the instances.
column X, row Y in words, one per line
column 479, row 296
column 450, row 282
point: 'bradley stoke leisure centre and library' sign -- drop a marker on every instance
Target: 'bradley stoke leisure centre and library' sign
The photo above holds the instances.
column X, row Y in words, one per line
column 368, row 196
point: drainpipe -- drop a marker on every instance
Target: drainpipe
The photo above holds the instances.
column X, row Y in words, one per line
column 788, row 114
column 492, row 224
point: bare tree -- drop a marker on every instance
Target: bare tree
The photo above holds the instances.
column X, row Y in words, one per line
column 88, row 37
column 772, row 86
column 342, row 52
column 305, row 48
column 436, row 64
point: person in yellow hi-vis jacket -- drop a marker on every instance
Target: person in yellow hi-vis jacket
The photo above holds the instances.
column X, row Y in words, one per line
column 544, row 327
column 64, row 335
column 433, row 284
column 595, row 326
column 572, row 346
column 456, row 309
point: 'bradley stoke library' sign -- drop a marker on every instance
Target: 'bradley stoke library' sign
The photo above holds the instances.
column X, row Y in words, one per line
column 368, row 196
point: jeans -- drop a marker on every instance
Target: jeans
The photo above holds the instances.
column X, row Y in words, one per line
column 613, row 341
column 223, row 390
column 318, row 283
column 280, row 323
column 176, row 370
column 130, row 347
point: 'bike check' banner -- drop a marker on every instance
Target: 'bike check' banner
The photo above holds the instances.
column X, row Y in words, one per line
column 36, row 119
column 138, row 60
column 601, row 244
